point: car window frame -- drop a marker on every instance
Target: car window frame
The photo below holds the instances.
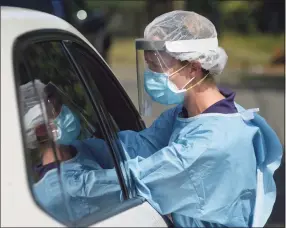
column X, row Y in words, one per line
column 38, row 38
column 103, row 118
column 109, row 120
column 46, row 35
column 91, row 54
column 28, row 162
column 58, row 34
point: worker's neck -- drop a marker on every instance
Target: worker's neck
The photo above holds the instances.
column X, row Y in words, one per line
column 200, row 98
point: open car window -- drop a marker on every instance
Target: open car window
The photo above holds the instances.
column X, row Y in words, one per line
column 115, row 99
column 109, row 99
column 72, row 171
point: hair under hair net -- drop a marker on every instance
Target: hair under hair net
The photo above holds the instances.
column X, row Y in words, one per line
column 189, row 36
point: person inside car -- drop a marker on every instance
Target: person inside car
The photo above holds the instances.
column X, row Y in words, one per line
column 69, row 176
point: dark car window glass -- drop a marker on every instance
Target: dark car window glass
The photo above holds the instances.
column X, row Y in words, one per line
column 92, row 70
column 125, row 117
column 88, row 181
column 36, row 143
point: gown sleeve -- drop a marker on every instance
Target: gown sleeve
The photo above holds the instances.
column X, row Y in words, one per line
column 92, row 183
column 152, row 139
column 143, row 143
column 194, row 177
column 88, row 191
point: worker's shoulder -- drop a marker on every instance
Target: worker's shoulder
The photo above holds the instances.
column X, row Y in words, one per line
column 219, row 125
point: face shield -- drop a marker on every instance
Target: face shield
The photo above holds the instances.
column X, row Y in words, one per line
column 155, row 68
column 160, row 65
column 47, row 123
column 180, row 36
column 63, row 122
column 34, row 113
column 53, row 104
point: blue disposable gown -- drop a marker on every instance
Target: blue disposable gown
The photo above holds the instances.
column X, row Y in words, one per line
column 208, row 170
column 83, row 186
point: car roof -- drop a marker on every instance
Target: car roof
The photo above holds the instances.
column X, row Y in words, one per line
column 18, row 21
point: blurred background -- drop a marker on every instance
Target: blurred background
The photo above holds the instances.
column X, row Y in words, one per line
column 252, row 33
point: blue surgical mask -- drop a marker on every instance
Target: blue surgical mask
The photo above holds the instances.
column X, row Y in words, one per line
column 161, row 89
column 68, row 126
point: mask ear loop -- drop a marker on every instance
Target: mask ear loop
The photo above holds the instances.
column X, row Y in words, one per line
column 195, row 83
column 188, row 82
column 171, row 75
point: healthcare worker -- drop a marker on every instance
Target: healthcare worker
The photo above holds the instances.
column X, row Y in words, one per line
column 207, row 161
column 72, row 184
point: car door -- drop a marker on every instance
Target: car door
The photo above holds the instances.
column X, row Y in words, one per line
column 98, row 76
column 49, row 57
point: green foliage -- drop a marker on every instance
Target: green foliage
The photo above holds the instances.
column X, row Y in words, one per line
column 255, row 49
column 105, row 4
column 179, row 5
column 232, row 6
column 238, row 16
column 50, row 65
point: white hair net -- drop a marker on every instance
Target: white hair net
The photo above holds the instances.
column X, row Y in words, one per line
column 33, row 113
column 33, row 118
column 29, row 97
column 189, row 36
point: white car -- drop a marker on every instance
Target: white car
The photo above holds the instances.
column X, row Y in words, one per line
column 39, row 46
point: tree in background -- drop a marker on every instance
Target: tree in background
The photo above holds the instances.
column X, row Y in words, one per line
column 270, row 16
column 237, row 16
column 158, row 7
column 266, row 16
column 245, row 17
column 207, row 8
column 41, row 5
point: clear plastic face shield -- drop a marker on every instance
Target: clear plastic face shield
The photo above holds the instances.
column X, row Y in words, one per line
column 53, row 105
column 50, row 112
column 163, row 70
column 63, row 122
column 34, row 113
column 50, row 125
column 155, row 69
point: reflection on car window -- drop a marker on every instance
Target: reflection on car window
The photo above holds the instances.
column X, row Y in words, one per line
column 74, row 172
column 38, row 143
column 92, row 70
column 99, row 82
column 112, row 94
